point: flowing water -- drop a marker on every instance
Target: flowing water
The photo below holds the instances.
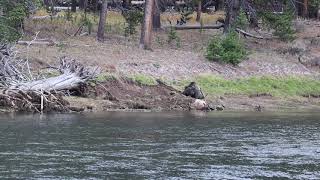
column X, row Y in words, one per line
column 160, row 146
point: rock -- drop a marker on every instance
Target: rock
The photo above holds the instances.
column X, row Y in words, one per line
column 299, row 26
column 297, row 47
column 309, row 60
column 220, row 107
column 258, row 108
column 211, row 107
column 193, row 90
column 315, row 62
column 315, row 42
column 77, row 109
column 199, row 104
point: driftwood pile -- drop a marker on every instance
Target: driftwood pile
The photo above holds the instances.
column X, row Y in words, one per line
column 23, row 90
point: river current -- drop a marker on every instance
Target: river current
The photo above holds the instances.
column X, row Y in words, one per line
column 160, row 146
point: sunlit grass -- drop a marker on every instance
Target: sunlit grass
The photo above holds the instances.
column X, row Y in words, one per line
column 143, row 79
column 205, row 17
column 275, row 86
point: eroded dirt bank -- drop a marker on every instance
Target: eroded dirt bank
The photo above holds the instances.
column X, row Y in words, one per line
column 124, row 95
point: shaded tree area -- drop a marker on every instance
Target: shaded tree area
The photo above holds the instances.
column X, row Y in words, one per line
column 254, row 11
column 102, row 21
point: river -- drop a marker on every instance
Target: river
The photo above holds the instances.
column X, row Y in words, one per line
column 160, row 146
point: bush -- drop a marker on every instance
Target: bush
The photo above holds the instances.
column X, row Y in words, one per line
column 86, row 22
column 281, row 24
column 229, row 49
column 242, row 20
column 173, row 36
column 133, row 18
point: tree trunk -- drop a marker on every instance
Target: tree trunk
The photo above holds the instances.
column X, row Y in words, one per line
column 74, row 5
column 102, row 21
column 156, row 21
column 52, row 6
column 126, row 4
column 219, row 5
column 232, row 13
column 199, row 11
column 189, row 27
column 83, row 4
column 47, row 4
column 305, row 8
column 146, row 30
column 96, row 5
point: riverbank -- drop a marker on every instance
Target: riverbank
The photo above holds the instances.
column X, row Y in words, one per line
column 109, row 92
column 254, row 94
column 276, row 76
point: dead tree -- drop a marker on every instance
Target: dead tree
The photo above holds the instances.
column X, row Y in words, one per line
column 146, row 30
column 102, row 21
column 23, row 89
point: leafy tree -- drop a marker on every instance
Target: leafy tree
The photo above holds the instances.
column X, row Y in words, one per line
column 11, row 19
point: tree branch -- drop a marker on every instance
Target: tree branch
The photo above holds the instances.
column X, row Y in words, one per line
column 248, row 34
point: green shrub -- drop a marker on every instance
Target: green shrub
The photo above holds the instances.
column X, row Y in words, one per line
column 86, row 22
column 242, row 20
column 173, row 36
column 281, row 24
column 133, row 18
column 229, row 49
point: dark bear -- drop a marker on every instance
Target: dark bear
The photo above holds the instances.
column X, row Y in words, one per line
column 193, row 90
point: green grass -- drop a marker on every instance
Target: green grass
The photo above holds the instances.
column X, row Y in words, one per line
column 143, row 79
column 103, row 77
column 275, row 86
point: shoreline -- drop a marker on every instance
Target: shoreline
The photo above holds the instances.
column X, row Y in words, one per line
column 147, row 95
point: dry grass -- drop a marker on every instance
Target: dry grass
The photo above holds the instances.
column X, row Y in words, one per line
column 167, row 59
column 205, row 17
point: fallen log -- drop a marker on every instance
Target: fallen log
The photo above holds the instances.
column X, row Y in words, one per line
column 37, row 42
column 21, row 89
column 44, row 17
column 190, row 27
column 72, row 74
column 248, row 34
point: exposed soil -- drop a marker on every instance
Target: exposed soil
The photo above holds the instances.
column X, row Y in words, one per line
column 128, row 95
column 123, row 95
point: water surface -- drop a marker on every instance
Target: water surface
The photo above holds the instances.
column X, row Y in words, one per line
column 160, row 146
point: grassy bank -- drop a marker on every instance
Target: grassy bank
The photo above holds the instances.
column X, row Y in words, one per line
column 275, row 86
column 266, row 85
